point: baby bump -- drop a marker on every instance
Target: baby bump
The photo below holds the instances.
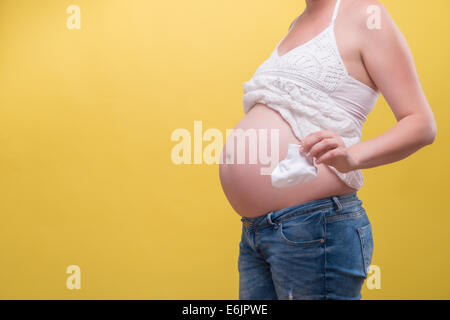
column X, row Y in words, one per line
column 252, row 151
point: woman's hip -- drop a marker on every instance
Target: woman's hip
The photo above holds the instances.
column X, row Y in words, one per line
column 328, row 238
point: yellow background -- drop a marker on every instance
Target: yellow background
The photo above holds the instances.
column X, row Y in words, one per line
column 86, row 176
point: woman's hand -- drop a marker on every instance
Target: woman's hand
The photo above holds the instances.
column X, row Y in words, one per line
column 328, row 148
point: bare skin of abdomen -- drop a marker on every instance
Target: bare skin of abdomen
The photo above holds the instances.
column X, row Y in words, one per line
column 251, row 193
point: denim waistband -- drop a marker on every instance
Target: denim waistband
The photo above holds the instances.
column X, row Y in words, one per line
column 333, row 202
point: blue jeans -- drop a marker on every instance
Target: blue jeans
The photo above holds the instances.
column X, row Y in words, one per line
column 319, row 249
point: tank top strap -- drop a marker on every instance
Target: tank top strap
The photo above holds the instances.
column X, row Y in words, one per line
column 293, row 23
column 336, row 10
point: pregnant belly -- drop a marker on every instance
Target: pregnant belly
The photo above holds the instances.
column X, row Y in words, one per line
column 245, row 168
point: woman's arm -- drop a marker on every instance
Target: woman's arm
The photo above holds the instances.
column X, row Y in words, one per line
column 390, row 64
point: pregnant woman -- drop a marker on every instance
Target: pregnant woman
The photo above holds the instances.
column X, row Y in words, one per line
column 311, row 238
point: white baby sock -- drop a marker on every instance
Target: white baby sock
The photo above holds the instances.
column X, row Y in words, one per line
column 293, row 170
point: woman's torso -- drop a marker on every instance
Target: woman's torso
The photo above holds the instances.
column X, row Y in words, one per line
column 251, row 193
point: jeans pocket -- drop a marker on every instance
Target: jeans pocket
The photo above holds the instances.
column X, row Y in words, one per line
column 366, row 239
column 303, row 230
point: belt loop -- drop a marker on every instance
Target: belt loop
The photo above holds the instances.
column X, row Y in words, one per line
column 269, row 220
column 338, row 203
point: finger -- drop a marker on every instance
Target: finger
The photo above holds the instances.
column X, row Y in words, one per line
column 314, row 138
column 323, row 146
column 329, row 155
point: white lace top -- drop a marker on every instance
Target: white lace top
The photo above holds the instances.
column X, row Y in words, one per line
column 311, row 89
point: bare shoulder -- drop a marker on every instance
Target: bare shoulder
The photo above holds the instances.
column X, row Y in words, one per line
column 386, row 56
column 371, row 21
column 362, row 8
